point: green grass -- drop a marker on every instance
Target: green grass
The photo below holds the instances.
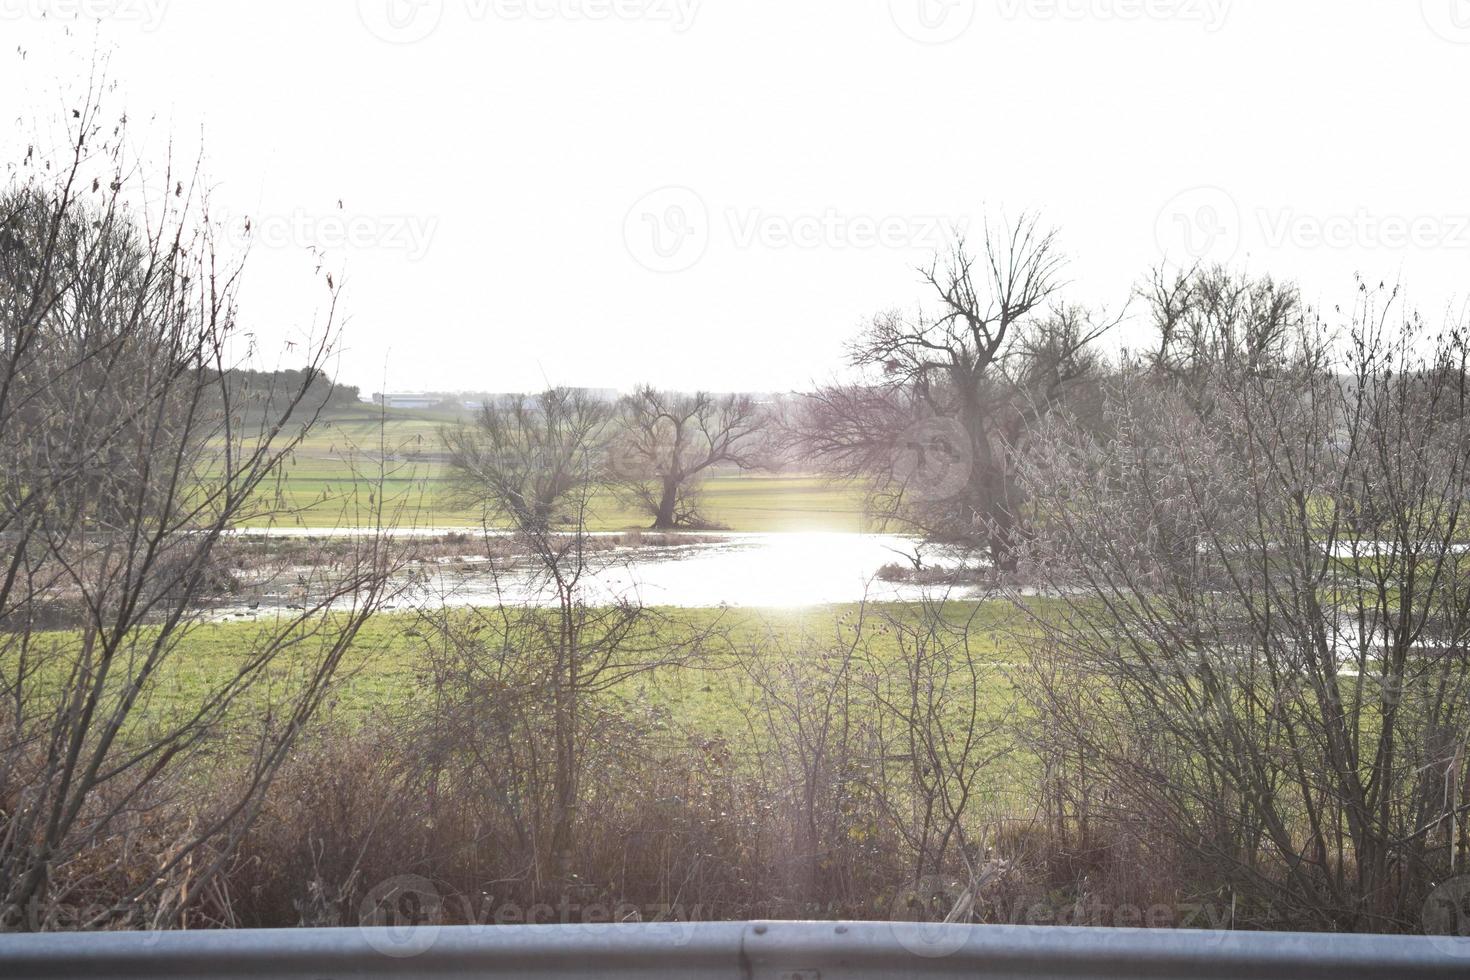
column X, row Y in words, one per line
column 386, row 663
column 385, row 676
column 385, row 672
column 333, row 477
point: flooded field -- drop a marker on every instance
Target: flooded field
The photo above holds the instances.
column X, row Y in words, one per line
column 776, row 570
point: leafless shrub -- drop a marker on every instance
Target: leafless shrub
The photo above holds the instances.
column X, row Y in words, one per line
column 520, row 691
column 127, row 457
column 1236, row 658
column 881, row 747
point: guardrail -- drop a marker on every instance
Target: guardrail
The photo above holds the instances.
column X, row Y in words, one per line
column 788, row 950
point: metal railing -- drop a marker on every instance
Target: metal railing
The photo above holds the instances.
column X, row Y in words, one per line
column 794, row 950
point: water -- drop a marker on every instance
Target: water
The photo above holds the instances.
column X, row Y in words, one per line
column 780, row 570
column 760, row 570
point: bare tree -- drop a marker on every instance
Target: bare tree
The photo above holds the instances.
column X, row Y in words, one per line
column 1213, row 319
column 522, row 688
column 667, row 442
column 938, row 432
column 523, row 684
column 127, row 459
column 1251, row 671
column 525, row 458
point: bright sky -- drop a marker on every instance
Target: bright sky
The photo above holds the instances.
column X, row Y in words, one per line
column 716, row 193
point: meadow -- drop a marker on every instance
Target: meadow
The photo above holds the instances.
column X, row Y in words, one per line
column 691, row 799
column 385, row 669
column 353, row 451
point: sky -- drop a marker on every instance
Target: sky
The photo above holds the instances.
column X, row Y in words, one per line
column 717, row 194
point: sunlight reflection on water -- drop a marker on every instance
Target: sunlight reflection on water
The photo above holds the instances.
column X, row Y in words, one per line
column 762, row 570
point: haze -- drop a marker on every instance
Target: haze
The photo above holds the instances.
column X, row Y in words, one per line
column 495, row 161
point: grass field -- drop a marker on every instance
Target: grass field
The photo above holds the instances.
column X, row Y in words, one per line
column 386, row 678
column 385, row 664
column 385, row 672
column 699, row 752
column 350, row 451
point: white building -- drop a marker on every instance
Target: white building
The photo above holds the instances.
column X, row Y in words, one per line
column 406, row 399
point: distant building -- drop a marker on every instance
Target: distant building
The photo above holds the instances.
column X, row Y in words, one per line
column 474, row 401
column 406, row 399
